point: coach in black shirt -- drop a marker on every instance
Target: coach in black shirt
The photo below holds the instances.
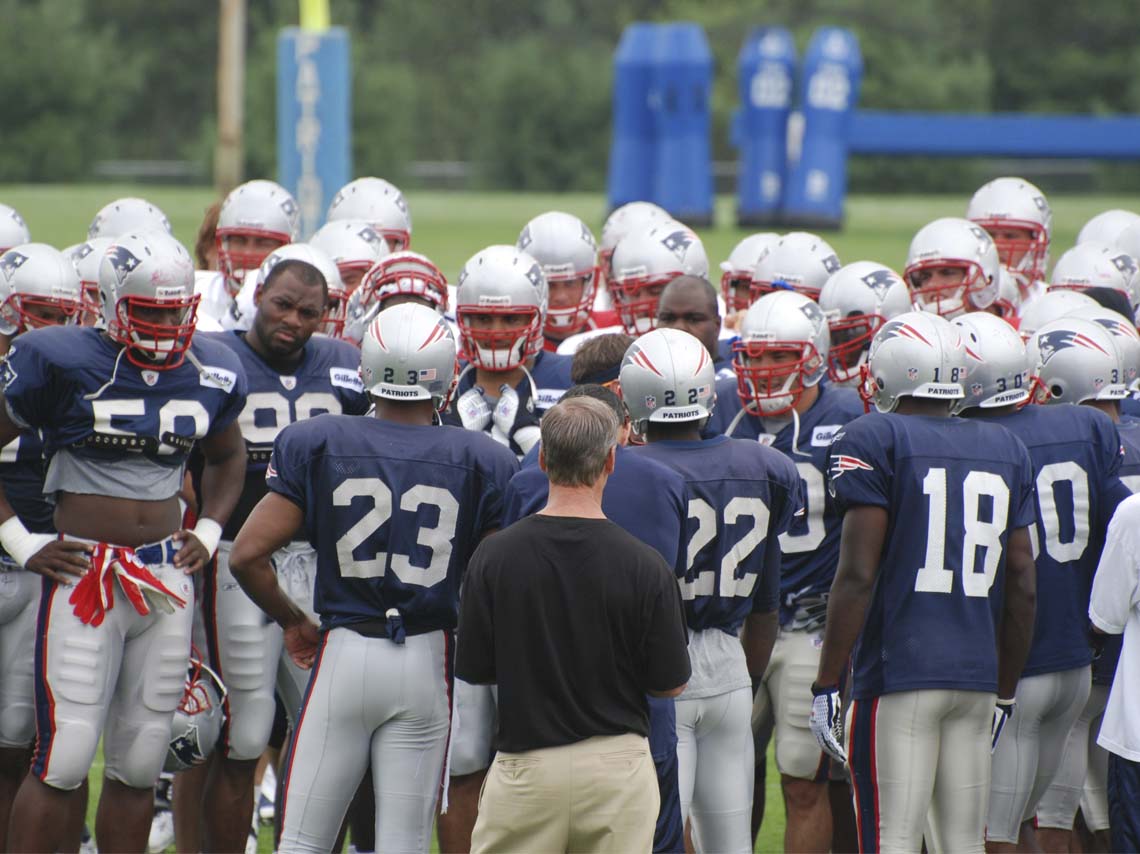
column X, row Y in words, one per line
column 575, row 620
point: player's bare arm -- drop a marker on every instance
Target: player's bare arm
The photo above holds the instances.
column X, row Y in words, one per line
column 222, row 480
column 758, row 638
column 1018, row 611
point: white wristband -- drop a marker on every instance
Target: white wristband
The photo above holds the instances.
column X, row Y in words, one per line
column 20, row 544
column 209, row 533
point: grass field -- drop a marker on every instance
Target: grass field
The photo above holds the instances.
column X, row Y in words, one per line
column 450, row 227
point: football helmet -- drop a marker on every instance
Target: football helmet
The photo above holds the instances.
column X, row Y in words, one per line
column 354, row 247
column 800, row 261
column 40, row 287
column 622, row 221
column 1074, row 360
column 916, row 354
column 86, row 258
column 13, row 229
column 501, row 282
column 409, row 353
column 255, row 209
column 405, row 273
column 142, row 277
column 1013, row 203
column 380, row 204
column 1050, row 306
column 125, row 215
column 1097, row 265
column 667, row 376
column 565, row 248
column 857, row 300
column 954, row 243
column 1107, row 226
column 197, row 721
column 1123, row 333
column 336, row 307
column 997, row 367
column 736, row 272
column 781, row 322
column 644, row 262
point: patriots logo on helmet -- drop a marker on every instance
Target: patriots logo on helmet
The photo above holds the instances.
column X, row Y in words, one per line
column 901, row 329
column 188, row 746
column 588, row 237
column 879, row 281
column 289, row 207
column 534, row 276
column 1117, row 327
column 123, row 261
column 813, row 312
column 1125, row 263
column 338, row 198
column 525, row 238
column 10, row 262
column 369, row 235
column 980, row 233
column 1050, row 343
column 831, row 263
column 19, row 219
column 1040, row 203
column 82, row 251
column 678, row 242
column 843, row 463
column 463, row 274
column 400, row 203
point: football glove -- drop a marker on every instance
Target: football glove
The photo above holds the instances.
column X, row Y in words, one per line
column 515, row 421
column 827, row 721
column 474, row 411
column 1003, row 711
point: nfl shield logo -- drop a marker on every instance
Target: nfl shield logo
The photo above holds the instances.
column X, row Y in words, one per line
column 912, row 373
column 290, row 383
column 150, row 377
column 976, row 389
column 650, row 401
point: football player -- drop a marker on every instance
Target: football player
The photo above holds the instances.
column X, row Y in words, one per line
column 799, row 261
column 1107, row 226
column 509, row 380
column 240, row 313
column 394, row 507
column 1017, row 216
column 630, row 217
column 689, row 303
column 934, row 591
column 86, row 258
column 126, row 215
column 1050, row 306
column 13, row 229
column 1097, row 265
column 119, row 411
column 256, row 218
column 857, row 300
column 291, row 376
column 354, row 246
column 378, row 203
column 736, row 271
column 952, row 268
column 393, row 280
column 741, row 497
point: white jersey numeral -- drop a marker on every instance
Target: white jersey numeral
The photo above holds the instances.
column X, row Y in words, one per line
column 105, row 410
column 1078, row 480
column 705, row 582
column 814, row 489
column 277, row 412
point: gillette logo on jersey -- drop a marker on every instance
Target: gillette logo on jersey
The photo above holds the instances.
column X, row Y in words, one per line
column 1049, row 343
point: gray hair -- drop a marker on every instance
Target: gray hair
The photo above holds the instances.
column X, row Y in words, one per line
column 577, row 435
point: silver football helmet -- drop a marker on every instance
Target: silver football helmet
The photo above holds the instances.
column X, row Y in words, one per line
column 501, row 308
column 403, row 277
column 565, row 248
column 667, row 376
column 958, row 244
column 1123, row 332
column 917, row 354
column 380, row 204
column 1107, row 226
column 197, row 721
column 997, row 367
column 644, row 262
column 1073, row 360
column 1097, row 265
column 254, row 211
column 126, row 215
column 13, row 229
column 736, row 272
column 635, row 216
column 151, row 271
column 353, row 245
column 800, row 261
column 409, row 353
column 1051, row 306
column 857, row 300
column 336, row 307
column 40, row 287
column 788, row 325
column 86, row 258
column 1007, row 205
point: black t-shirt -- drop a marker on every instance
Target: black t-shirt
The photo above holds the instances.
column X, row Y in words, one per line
column 575, row 620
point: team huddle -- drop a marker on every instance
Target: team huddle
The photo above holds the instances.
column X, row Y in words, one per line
column 250, row 482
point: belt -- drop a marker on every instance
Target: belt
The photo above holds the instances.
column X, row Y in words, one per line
column 94, row 594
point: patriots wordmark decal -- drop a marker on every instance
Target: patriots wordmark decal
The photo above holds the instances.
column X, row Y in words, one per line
column 843, row 463
column 1050, row 343
column 901, row 329
column 123, row 261
column 879, row 281
column 678, row 242
column 10, row 262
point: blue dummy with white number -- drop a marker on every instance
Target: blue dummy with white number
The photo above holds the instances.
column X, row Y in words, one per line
column 953, row 490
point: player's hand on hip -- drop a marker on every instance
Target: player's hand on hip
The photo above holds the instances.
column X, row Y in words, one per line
column 827, row 721
column 192, row 555
column 1003, row 711
column 302, row 640
column 63, row 561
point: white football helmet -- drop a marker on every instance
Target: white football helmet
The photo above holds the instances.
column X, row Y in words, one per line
column 800, row 261
column 380, row 204
column 255, row 210
column 954, row 243
column 1013, row 204
column 917, row 354
column 778, row 323
column 1097, row 265
column 1107, row 226
column 622, row 221
column 13, row 229
column 736, row 272
column 644, row 262
column 354, row 247
column 197, row 721
column 151, row 271
column 1074, row 360
column 997, row 367
column 40, row 287
column 407, row 274
column 667, row 376
column 409, row 353
column 857, row 300
column 567, row 251
column 1125, row 335
column 86, row 258
column 1051, row 306
column 126, row 215
column 332, row 324
column 501, row 308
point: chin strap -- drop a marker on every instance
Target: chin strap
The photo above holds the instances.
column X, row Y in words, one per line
column 95, row 395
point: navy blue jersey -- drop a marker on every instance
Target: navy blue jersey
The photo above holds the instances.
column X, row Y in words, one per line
column 953, row 489
column 1130, row 406
column 80, row 390
column 642, row 496
column 22, row 466
column 1076, row 460
column 740, row 497
column 394, row 512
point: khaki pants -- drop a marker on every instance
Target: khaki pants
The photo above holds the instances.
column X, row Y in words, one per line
column 597, row 795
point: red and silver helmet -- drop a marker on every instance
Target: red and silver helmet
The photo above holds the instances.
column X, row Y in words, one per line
column 736, row 272
column 127, row 215
column 565, row 248
column 86, row 258
column 409, row 354
column 255, row 210
column 800, row 261
column 332, row 324
column 506, row 283
column 667, row 376
column 631, row 217
column 146, row 286
column 644, row 262
column 13, row 229
column 1107, row 226
column 401, row 274
column 40, row 288
column 952, row 243
column 197, row 721
column 1050, row 306
column 1097, row 265
column 917, row 354
column 1013, row 204
column 997, row 367
column 857, row 300
column 1073, row 360
column 1124, row 334
column 380, row 204
column 354, row 247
